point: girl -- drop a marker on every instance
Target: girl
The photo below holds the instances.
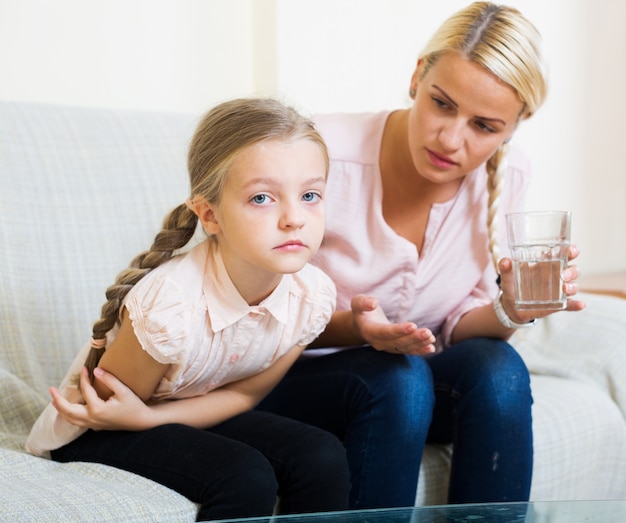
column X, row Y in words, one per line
column 223, row 321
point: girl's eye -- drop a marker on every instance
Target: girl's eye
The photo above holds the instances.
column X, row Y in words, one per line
column 260, row 199
column 311, row 196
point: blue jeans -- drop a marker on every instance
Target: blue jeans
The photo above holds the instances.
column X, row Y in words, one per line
column 385, row 407
column 233, row 470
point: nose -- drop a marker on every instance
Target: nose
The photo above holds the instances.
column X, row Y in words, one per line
column 451, row 135
column 292, row 216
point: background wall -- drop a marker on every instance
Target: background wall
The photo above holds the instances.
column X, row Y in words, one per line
column 334, row 55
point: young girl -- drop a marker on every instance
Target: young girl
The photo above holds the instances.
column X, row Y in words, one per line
column 223, row 321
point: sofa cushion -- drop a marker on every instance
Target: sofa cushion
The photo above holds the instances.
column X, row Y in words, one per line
column 37, row 489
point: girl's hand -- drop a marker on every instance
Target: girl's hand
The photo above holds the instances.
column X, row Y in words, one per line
column 375, row 328
column 570, row 288
column 123, row 410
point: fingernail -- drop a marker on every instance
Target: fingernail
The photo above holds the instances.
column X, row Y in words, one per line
column 98, row 372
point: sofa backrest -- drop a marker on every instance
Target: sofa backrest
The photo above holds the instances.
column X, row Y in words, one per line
column 82, row 191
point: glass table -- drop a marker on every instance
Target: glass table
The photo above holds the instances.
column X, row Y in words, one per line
column 597, row 511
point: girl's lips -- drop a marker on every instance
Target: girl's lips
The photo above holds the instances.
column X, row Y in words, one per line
column 290, row 246
column 439, row 160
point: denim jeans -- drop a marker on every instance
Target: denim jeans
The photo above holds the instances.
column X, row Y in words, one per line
column 233, row 470
column 385, row 407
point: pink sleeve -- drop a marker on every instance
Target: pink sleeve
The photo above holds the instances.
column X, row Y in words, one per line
column 325, row 298
column 161, row 317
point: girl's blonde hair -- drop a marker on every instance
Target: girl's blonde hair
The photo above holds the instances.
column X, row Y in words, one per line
column 219, row 137
column 507, row 45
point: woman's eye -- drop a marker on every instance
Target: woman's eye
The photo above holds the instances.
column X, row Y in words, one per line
column 484, row 127
column 311, row 196
column 260, row 199
column 440, row 103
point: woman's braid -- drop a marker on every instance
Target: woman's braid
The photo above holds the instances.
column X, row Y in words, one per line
column 496, row 168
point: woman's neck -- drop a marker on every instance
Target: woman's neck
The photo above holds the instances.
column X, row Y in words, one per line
column 407, row 195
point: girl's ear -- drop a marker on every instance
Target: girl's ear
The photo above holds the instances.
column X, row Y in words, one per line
column 206, row 213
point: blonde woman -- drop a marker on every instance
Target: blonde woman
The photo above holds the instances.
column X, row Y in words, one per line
column 222, row 322
column 417, row 350
column 415, row 213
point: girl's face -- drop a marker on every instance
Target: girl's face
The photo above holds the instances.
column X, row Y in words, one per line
column 461, row 114
column 271, row 215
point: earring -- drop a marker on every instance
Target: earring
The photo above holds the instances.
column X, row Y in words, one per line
column 412, row 93
column 507, row 140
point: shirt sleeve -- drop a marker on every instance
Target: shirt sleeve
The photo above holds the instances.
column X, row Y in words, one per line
column 51, row 431
column 322, row 302
column 161, row 316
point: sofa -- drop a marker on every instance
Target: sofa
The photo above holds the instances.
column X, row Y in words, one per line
column 83, row 190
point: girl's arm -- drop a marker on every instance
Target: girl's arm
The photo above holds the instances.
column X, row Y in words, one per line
column 123, row 410
column 133, row 366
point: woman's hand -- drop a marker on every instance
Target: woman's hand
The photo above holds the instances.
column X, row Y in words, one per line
column 376, row 329
column 570, row 288
column 123, row 410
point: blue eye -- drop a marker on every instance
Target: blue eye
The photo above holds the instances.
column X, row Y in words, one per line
column 260, row 199
column 311, row 196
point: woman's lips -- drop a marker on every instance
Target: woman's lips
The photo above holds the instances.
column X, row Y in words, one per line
column 439, row 160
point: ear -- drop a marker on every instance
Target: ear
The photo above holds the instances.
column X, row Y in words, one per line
column 417, row 73
column 206, row 213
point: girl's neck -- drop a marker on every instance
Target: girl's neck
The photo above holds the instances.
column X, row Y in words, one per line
column 253, row 284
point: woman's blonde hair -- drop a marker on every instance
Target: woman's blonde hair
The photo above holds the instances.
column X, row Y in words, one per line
column 505, row 43
column 220, row 136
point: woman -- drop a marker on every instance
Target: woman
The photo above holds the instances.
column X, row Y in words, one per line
column 415, row 210
column 415, row 207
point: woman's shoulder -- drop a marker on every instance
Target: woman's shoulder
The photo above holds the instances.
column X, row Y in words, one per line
column 352, row 137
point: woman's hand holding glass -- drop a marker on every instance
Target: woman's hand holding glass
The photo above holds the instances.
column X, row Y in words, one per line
column 570, row 287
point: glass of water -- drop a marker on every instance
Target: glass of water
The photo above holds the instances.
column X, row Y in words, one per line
column 539, row 243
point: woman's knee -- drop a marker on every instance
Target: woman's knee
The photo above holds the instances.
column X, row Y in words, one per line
column 496, row 368
column 404, row 386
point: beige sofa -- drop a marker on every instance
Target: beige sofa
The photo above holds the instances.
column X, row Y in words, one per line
column 83, row 190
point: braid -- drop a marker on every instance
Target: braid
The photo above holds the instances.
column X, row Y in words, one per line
column 496, row 168
column 178, row 228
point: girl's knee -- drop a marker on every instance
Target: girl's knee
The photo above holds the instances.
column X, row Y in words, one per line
column 324, row 451
column 253, row 469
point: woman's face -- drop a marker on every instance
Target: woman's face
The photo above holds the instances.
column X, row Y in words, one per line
column 460, row 115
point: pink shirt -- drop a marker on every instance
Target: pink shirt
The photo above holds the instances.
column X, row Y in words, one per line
column 450, row 276
column 187, row 313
